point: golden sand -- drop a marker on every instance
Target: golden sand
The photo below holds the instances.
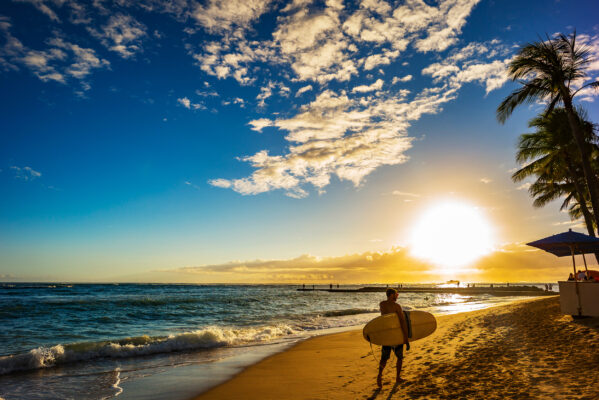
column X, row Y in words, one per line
column 524, row 350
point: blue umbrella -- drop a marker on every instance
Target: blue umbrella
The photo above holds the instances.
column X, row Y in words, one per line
column 568, row 243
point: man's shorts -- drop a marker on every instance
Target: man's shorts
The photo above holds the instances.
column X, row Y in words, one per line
column 386, row 352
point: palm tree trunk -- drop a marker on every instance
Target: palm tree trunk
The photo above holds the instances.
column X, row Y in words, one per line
column 581, row 198
column 588, row 220
column 588, row 217
column 585, row 155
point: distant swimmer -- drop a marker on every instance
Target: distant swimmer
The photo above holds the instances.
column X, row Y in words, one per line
column 390, row 306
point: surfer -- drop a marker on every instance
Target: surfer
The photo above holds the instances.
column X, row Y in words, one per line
column 390, row 306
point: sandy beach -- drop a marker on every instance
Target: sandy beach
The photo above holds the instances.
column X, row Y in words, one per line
column 523, row 350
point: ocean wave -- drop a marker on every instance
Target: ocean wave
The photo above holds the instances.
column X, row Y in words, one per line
column 127, row 301
column 35, row 286
column 349, row 311
column 207, row 338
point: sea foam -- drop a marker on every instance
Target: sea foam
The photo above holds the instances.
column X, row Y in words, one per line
column 209, row 337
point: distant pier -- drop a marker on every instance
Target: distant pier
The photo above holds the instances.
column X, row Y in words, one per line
column 494, row 291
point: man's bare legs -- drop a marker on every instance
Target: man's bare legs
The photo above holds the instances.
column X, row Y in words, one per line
column 382, row 364
column 398, row 379
column 379, row 378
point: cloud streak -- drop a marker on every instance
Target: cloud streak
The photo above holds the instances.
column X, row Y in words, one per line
column 60, row 61
column 25, row 173
column 511, row 262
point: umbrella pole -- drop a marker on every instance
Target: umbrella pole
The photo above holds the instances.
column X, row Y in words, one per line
column 576, row 282
column 585, row 265
column 573, row 262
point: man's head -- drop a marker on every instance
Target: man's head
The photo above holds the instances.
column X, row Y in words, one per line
column 391, row 294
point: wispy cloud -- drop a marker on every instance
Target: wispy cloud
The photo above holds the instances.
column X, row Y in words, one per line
column 59, row 62
column 185, row 102
column 190, row 184
column 511, row 261
column 378, row 85
column 25, row 173
column 406, row 78
column 341, row 133
column 404, row 194
column 303, row 90
column 473, row 63
column 42, row 7
column 121, row 34
column 224, row 16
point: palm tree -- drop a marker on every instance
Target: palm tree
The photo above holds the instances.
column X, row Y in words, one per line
column 547, row 70
column 551, row 155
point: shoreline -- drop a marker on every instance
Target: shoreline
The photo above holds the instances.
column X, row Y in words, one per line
column 527, row 342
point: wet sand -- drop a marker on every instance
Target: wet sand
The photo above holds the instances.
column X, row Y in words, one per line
column 523, row 350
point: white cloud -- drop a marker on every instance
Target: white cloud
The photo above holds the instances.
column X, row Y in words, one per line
column 185, row 102
column 83, row 60
column 25, row 173
column 206, row 93
column 485, row 180
column 493, row 75
column 59, row 61
column 375, row 60
column 42, row 7
column 588, row 94
column 303, row 90
column 224, row 15
column 340, row 136
column 321, row 44
column 267, row 91
column 404, row 194
column 445, row 22
column 121, row 34
column 406, row 78
column 346, row 134
column 314, row 45
column 524, row 186
column 369, row 88
column 259, row 124
column 221, row 183
column 232, row 58
column 472, row 64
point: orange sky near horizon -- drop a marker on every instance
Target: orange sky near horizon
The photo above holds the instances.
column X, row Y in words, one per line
column 510, row 263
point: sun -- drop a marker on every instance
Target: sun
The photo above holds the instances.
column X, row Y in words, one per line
column 451, row 235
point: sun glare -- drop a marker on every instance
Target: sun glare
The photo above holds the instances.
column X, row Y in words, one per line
column 451, row 235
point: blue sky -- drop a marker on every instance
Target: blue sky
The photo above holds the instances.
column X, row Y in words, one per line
column 145, row 136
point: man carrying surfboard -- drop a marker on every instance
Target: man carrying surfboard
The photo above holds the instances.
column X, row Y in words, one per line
column 391, row 306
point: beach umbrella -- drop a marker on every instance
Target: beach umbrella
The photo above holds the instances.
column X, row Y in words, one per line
column 568, row 243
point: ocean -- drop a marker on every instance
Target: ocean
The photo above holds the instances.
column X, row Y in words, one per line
column 159, row 341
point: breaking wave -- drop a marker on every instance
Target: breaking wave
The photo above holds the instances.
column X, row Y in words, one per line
column 207, row 338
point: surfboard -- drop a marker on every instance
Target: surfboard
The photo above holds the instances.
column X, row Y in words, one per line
column 386, row 331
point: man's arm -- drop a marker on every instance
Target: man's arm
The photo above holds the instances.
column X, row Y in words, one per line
column 402, row 322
